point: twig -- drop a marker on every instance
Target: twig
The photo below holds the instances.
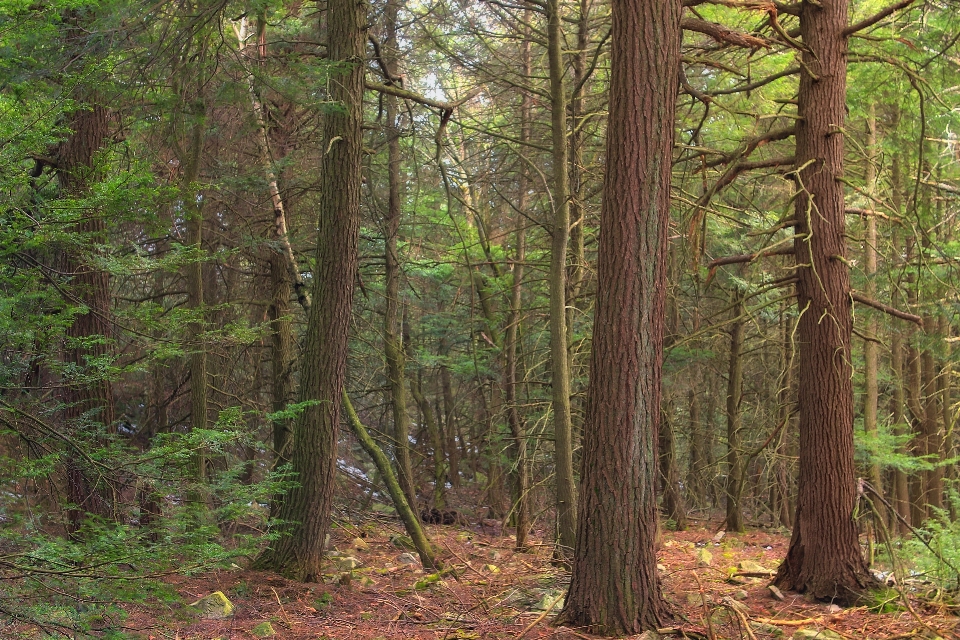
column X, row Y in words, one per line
column 541, row 616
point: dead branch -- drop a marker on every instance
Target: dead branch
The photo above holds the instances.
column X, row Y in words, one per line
column 724, row 34
column 749, row 257
column 896, row 313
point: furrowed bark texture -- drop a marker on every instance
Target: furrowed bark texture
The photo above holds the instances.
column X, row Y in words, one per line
column 307, row 506
column 615, row 588
column 824, row 558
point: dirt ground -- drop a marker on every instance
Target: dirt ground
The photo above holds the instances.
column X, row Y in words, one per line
column 497, row 593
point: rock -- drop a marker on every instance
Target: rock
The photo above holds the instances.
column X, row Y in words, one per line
column 776, row 593
column 704, row 557
column 359, row 544
column 833, row 608
column 263, row 630
column 719, row 536
column 741, row 595
column 346, row 563
column 215, row 606
column 649, row 635
column 767, row 629
column 815, row 634
column 366, row 582
column 699, row 599
column 737, row 580
column 407, row 558
column 661, row 568
column 552, row 600
column 749, row 566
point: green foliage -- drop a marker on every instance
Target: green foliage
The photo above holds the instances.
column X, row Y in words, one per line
column 935, row 553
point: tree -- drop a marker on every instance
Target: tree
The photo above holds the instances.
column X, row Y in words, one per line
column 615, row 588
column 306, row 508
column 824, row 558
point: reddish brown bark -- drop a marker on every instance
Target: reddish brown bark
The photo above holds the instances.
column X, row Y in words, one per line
column 307, row 506
column 824, row 558
column 615, row 588
column 90, row 401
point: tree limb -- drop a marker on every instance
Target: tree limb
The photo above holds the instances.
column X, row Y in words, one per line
column 896, row 313
column 724, row 34
column 877, row 17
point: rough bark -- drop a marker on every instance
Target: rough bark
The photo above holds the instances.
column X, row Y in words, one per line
column 298, row 554
column 824, row 557
column 89, row 333
column 615, row 588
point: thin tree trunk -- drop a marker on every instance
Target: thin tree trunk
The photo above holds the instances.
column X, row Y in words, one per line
column 560, row 230
column 407, row 515
column 735, row 472
column 436, row 441
column 871, row 398
column 392, row 344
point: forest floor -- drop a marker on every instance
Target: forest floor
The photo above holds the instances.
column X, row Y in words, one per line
column 498, row 593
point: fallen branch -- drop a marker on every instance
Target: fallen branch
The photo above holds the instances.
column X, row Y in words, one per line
column 879, row 306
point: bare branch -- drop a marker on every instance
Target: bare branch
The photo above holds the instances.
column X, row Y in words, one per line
column 896, row 313
column 877, row 17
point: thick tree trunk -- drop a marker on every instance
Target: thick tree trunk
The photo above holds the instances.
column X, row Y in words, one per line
column 824, row 557
column 559, row 363
column 615, row 588
column 298, row 555
column 91, row 329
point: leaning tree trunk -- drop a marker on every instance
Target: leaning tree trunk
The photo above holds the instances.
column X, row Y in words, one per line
column 307, row 507
column 824, row 557
column 614, row 587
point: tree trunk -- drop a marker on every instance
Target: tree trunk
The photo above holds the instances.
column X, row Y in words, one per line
column 824, row 557
column 392, row 343
column 91, row 329
column 614, row 587
column 871, row 365
column 436, row 442
column 407, row 515
column 298, row 554
column 673, row 507
column 518, row 431
column 559, row 363
column 735, row 472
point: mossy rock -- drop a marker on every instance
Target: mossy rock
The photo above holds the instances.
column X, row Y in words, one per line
column 263, row 630
column 215, row 606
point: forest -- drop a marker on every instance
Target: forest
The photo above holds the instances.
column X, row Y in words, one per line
column 494, row 319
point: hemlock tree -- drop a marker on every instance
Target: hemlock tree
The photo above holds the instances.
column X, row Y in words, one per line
column 824, row 558
column 307, row 507
column 615, row 588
